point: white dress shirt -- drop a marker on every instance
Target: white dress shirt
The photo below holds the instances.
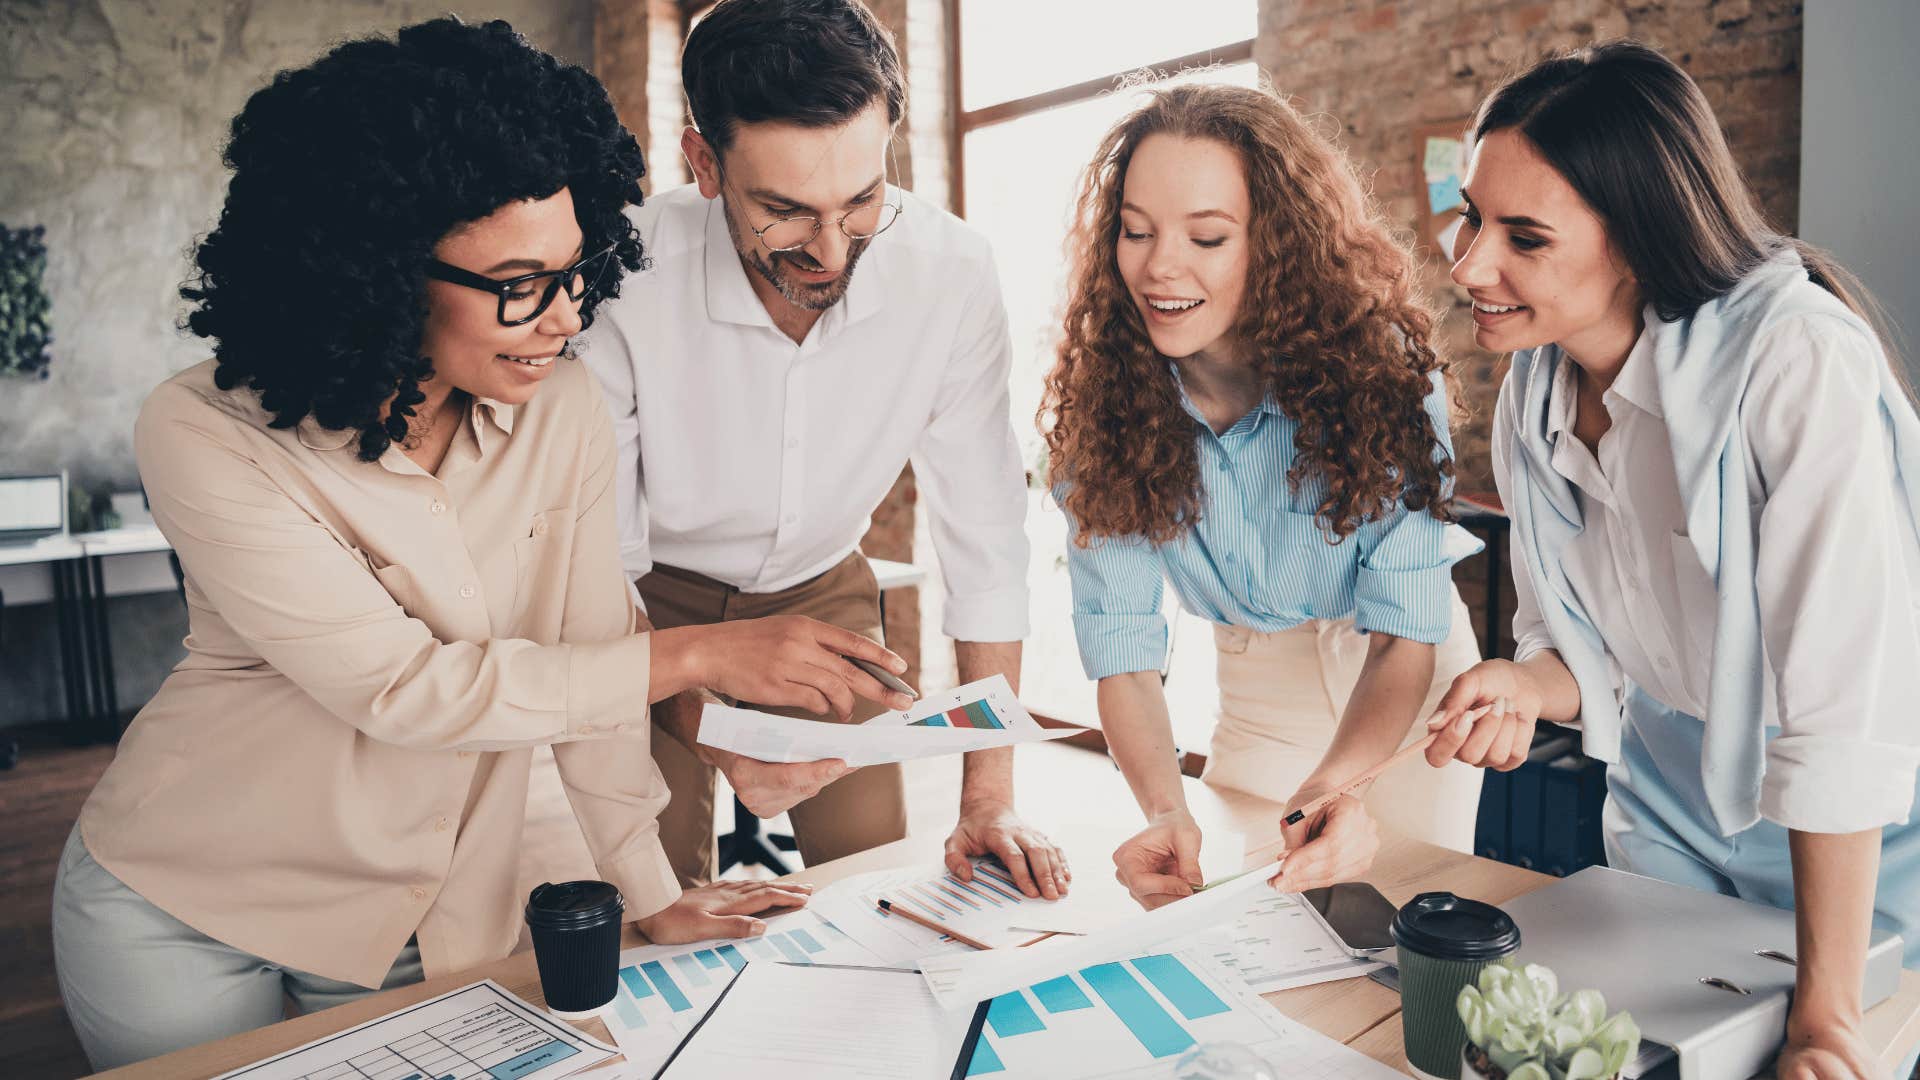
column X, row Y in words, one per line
column 1838, row 569
column 759, row 462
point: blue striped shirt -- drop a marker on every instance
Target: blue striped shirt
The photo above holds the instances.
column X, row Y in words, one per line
column 1257, row 558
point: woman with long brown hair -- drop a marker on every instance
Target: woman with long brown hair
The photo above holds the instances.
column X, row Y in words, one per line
column 1712, row 468
column 1245, row 403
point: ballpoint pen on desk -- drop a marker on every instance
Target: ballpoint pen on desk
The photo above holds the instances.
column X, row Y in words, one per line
column 1314, row 806
column 891, row 908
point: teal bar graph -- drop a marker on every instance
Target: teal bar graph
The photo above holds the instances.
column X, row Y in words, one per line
column 984, row 1059
column 669, row 990
column 1181, row 986
column 636, row 985
column 1159, row 1034
column 629, row 1012
column 1011, row 1015
column 764, row 948
column 710, row 958
column 1061, row 995
column 789, row 949
column 732, row 956
column 806, row 940
column 691, row 970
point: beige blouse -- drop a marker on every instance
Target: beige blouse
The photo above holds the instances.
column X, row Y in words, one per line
column 341, row 761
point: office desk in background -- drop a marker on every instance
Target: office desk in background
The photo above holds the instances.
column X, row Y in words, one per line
column 1358, row 1012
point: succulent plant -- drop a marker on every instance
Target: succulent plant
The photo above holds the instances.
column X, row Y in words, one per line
column 1527, row 1029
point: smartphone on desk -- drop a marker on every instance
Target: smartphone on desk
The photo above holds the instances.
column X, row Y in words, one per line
column 1357, row 915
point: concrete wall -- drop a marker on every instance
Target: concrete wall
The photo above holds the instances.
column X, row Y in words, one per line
column 110, row 137
column 1860, row 150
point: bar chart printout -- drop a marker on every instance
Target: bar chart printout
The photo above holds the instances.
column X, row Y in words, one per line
column 478, row 1032
column 665, row 989
column 988, row 908
column 1133, row 1018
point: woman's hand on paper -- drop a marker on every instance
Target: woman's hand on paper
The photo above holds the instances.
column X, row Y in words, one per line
column 724, row 909
column 796, row 662
column 1161, row 863
column 1336, row 844
column 1499, row 739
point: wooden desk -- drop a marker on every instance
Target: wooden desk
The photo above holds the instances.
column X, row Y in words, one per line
column 1358, row 1012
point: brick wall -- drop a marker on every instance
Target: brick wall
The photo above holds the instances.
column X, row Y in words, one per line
column 1381, row 71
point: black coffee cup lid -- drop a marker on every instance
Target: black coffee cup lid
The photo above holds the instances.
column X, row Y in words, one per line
column 1449, row 927
column 572, row 904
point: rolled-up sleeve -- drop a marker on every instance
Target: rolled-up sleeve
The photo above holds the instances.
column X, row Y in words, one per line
column 1837, row 599
column 968, row 465
column 1118, row 583
column 318, row 615
column 1404, row 582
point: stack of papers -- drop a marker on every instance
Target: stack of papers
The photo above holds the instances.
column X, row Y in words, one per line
column 978, row 716
column 665, row 990
column 989, row 909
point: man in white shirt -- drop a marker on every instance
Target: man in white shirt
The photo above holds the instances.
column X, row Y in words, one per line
column 766, row 396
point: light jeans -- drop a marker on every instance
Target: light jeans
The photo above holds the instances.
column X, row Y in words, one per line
column 139, row 983
column 1281, row 698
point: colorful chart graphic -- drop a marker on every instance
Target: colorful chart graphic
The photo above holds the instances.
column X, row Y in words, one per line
column 974, row 714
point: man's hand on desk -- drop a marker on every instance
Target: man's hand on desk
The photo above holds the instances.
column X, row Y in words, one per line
column 990, row 827
column 1161, row 863
column 724, row 909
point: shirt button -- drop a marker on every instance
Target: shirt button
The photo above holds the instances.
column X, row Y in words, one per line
column 793, row 443
column 440, row 825
column 1665, row 664
column 791, row 518
column 540, row 528
column 466, row 592
column 417, row 893
column 586, row 729
column 438, row 507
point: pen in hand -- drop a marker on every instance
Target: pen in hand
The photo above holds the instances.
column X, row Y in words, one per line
column 1314, row 806
column 884, row 677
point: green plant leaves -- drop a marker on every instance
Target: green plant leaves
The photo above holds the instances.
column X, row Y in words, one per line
column 1529, row 1029
column 25, row 333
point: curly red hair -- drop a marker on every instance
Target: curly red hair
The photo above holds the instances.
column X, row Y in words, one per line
column 1328, row 312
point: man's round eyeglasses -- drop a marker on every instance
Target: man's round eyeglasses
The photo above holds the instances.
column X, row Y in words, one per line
column 797, row 231
column 524, row 298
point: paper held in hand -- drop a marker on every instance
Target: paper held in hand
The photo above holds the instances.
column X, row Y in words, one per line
column 978, row 716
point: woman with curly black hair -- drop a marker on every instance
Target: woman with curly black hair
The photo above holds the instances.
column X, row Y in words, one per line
column 401, row 563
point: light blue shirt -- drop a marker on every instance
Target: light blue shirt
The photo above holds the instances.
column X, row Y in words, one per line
column 1257, row 557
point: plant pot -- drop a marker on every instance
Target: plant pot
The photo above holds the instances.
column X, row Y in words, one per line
column 1476, row 1065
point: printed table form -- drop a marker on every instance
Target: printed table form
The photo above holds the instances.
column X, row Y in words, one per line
column 478, row 1032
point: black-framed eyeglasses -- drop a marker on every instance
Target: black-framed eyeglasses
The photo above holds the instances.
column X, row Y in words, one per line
column 524, row 298
column 860, row 223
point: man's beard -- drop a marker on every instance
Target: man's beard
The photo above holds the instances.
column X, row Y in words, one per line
column 772, row 266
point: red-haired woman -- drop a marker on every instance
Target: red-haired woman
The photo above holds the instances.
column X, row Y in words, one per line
column 1245, row 404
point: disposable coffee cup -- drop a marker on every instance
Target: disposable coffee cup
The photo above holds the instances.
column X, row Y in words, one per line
column 576, row 943
column 1443, row 941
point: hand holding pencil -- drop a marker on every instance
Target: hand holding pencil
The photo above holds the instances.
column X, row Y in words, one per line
column 1330, row 836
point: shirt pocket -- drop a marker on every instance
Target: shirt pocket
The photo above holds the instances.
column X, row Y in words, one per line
column 395, row 578
column 1297, row 574
column 541, row 578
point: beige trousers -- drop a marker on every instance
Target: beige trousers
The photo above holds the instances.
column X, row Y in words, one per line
column 865, row 808
column 1281, row 698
